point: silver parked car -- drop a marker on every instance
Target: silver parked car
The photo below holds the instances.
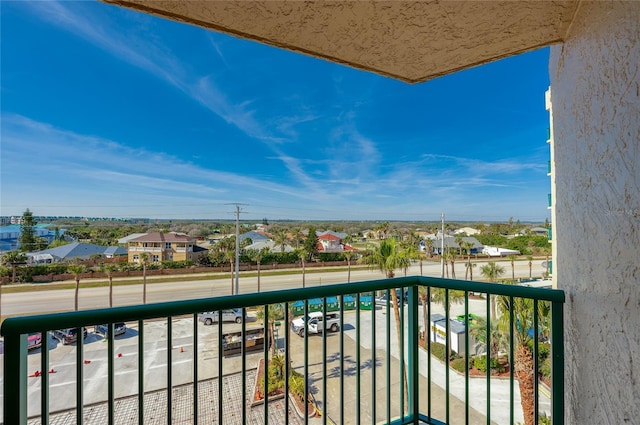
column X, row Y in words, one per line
column 119, row 328
column 230, row 315
column 68, row 336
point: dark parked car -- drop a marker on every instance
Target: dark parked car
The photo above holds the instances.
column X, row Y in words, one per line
column 382, row 299
column 118, row 329
column 67, row 336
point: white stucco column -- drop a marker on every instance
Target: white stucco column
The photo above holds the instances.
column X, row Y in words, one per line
column 595, row 81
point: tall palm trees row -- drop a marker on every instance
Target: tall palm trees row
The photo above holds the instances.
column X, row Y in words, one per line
column 387, row 258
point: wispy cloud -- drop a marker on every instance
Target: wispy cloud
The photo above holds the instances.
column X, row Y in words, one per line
column 152, row 57
column 86, row 158
column 480, row 167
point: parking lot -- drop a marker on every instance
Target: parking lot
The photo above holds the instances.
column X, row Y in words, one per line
column 62, row 361
column 63, row 365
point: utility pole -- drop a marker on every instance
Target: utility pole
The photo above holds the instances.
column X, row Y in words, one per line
column 442, row 249
column 237, row 260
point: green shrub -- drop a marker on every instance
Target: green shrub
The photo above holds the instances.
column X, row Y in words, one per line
column 480, row 363
column 545, row 367
column 438, row 350
column 330, row 256
column 176, row 264
column 458, row 364
column 296, row 384
column 544, row 350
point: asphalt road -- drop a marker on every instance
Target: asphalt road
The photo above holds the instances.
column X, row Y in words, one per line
column 49, row 301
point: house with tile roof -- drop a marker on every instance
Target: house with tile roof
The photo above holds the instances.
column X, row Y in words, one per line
column 332, row 242
column 161, row 246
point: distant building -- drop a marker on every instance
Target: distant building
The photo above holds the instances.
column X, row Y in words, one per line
column 10, row 235
column 69, row 252
column 339, row 235
column 253, row 235
column 126, row 239
column 450, row 243
column 539, row 231
column 160, row 247
column 328, row 242
column 494, row 251
column 115, row 251
column 469, row 231
column 271, row 245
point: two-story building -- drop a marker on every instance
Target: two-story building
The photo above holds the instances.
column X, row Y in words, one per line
column 160, row 247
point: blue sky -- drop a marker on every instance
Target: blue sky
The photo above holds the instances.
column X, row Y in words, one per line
column 112, row 113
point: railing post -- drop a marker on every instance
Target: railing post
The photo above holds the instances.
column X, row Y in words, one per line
column 15, row 377
column 557, row 363
column 413, row 375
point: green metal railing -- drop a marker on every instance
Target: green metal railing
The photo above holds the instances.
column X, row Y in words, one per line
column 381, row 401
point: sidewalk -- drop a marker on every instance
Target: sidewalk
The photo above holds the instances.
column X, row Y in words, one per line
column 155, row 407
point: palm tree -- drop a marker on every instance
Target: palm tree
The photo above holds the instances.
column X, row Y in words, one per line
column 530, row 259
column 14, row 259
column 452, row 259
column 386, row 258
column 512, row 259
column 280, row 238
column 298, row 236
column 76, row 270
column 478, row 331
column 409, row 253
column 523, row 360
column 422, row 293
column 302, row 255
column 348, row 255
column 492, row 271
column 445, row 259
column 469, row 269
column 275, row 312
column 428, row 242
column 467, row 246
column 144, row 259
column 257, row 255
column 459, row 241
column 109, row 269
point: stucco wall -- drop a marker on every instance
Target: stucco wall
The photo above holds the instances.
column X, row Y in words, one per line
column 595, row 79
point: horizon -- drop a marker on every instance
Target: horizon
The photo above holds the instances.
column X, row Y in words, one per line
column 126, row 115
column 271, row 221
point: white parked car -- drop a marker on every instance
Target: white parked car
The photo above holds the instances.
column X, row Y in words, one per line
column 316, row 323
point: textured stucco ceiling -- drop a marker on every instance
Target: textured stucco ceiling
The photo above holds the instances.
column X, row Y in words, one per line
column 409, row 40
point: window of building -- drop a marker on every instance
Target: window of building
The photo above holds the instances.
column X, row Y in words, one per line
column 167, row 245
column 156, row 259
